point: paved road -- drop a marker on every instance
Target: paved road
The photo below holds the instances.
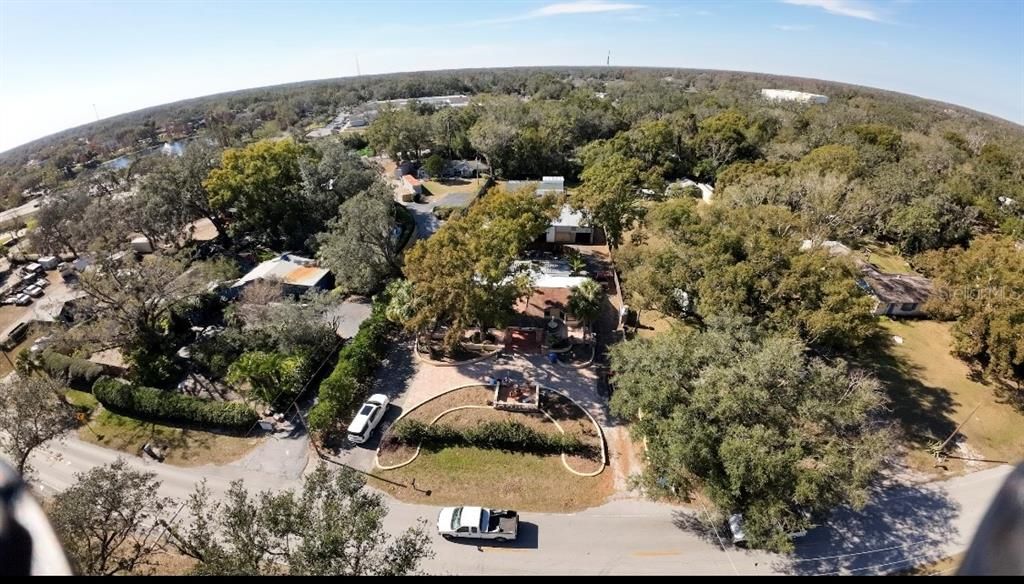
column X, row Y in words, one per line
column 630, row 536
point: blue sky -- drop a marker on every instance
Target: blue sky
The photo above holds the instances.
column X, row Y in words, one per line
column 58, row 59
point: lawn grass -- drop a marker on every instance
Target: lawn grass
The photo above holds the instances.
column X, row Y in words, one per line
column 442, row 188
column 493, row 478
column 888, row 260
column 932, row 392
column 81, row 399
column 187, row 447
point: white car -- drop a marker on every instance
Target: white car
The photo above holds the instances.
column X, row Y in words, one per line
column 369, row 416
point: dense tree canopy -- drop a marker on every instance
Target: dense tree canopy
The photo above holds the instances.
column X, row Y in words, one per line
column 749, row 418
column 746, row 261
column 982, row 288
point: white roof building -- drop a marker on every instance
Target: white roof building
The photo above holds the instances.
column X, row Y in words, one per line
column 790, row 95
column 288, row 269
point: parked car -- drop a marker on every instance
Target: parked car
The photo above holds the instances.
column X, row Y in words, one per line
column 739, row 538
column 23, row 300
column 41, row 282
column 499, row 525
column 34, row 291
column 369, row 416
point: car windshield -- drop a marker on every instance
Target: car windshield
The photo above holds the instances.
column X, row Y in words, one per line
column 367, row 409
column 456, row 516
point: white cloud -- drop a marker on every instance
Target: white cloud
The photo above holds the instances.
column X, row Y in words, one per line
column 562, row 9
column 849, row 8
column 792, row 27
column 582, row 7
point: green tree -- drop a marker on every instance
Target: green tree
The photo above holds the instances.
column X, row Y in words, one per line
column 767, row 431
column 272, row 377
column 262, row 184
column 586, row 301
column 401, row 301
column 402, row 134
column 106, row 520
column 434, row 165
column 58, row 227
column 609, row 195
column 361, row 245
column 721, row 139
column 981, row 288
column 33, row 411
column 463, row 275
column 333, row 527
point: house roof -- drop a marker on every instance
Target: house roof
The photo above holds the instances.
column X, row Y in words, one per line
column 287, row 268
column 543, row 298
column 568, row 218
column 897, row 288
column 411, row 180
column 551, row 183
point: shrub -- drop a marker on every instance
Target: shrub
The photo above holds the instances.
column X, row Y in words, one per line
column 504, row 435
column 164, row 406
column 343, row 388
column 445, row 213
column 77, row 372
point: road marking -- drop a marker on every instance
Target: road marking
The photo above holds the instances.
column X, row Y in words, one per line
column 657, row 553
column 502, row 550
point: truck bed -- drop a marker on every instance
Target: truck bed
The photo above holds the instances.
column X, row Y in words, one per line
column 503, row 521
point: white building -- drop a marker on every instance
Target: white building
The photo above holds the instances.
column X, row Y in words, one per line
column 569, row 228
column 790, row 95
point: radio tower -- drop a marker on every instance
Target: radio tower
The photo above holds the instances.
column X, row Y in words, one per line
column 358, row 73
column 608, row 60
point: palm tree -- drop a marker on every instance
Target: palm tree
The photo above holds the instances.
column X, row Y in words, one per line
column 576, row 262
column 586, row 301
column 401, row 304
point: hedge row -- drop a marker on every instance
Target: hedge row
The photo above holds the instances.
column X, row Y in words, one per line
column 77, row 372
column 165, row 406
column 343, row 388
column 504, row 435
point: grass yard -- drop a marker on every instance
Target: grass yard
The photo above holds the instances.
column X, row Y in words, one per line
column 81, row 399
column 471, row 476
column 187, row 447
column 887, row 260
column 932, row 392
column 440, row 188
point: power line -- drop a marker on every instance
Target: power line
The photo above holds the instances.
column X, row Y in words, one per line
column 728, row 556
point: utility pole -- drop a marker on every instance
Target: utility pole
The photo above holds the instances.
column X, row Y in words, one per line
column 940, row 449
column 358, row 72
column 608, row 59
column 95, row 112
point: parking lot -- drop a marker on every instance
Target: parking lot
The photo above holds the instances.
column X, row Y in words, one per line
column 45, row 307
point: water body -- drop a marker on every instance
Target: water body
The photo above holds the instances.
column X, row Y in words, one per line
column 168, row 149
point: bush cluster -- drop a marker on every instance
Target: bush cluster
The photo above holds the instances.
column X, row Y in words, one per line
column 79, row 373
column 505, row 435
column 165, row 406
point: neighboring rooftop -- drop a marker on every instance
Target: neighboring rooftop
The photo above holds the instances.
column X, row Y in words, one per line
column 897, row 288
column 568, row 217
column 288, row 269
column 790, row 95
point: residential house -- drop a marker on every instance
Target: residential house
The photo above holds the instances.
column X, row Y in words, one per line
column 548, row 185
column 296, row 274
column 896, row 294
column 464, row 168
column 413, row 183
column 543, row 315
column 569, row 227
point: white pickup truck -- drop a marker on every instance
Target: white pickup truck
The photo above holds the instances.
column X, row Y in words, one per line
column 478, row 523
